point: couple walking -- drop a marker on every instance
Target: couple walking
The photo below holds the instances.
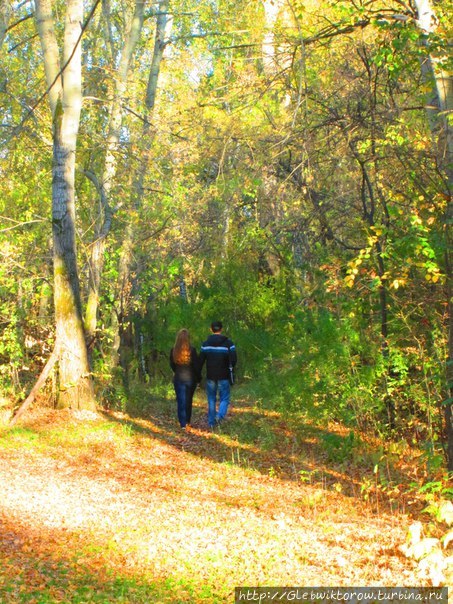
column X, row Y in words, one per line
column 219, row 354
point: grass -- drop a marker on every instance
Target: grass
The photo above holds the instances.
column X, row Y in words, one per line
column 125, row 508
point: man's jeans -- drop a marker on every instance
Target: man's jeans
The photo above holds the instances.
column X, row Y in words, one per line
column 223, row 386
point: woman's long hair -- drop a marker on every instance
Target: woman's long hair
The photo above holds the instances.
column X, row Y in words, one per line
column 181, row 349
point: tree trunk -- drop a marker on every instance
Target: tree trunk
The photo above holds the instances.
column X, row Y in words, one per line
column 75, row 387
column 40, row 382
column 51, row 52
column 268, row 46
column 106, row 11
column 449, row 369
column 5, row 13
column 438, row 113
column 163, row 25
column 110, row 165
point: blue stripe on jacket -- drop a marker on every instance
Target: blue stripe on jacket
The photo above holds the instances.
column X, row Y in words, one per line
column 222, row 349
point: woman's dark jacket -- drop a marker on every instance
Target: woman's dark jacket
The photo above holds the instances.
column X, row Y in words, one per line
column 186, row 373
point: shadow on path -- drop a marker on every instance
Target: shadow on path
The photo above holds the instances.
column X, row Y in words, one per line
column 289, row 448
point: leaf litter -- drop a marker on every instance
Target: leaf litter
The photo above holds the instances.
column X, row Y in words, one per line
column 89, row 497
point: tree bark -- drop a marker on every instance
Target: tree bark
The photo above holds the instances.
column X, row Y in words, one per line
column 110, row 166
column 36, row 388
column 163, row 26
column 50, row 50
column 5, row 14
column 75, row 386
column 439, row 110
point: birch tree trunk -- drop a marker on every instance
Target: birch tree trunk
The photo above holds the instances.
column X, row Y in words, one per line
column 75, row 388
column 5, row 14
column 433, row 68
column 110, row 166
column 163, row 28
column 439, row 112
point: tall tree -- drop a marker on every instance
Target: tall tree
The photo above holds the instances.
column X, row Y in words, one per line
column 163, row 26
column 64, row 81
column 434, row 69
column 5, row 13
column 107, row 181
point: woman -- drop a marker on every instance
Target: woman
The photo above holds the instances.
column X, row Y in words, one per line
column 184, row 362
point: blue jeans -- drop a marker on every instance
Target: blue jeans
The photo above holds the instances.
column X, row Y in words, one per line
column 223, row 387
column 184, row 394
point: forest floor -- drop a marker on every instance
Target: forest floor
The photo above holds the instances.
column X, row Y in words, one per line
column 113, row 508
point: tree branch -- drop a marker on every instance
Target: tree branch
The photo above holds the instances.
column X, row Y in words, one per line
column 13, row 25
column 37, row 387
column 61, row 71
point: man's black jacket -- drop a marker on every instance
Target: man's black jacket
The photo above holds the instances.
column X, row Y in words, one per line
column 219, row 353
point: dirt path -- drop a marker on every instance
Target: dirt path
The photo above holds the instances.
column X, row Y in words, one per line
column 145, row 505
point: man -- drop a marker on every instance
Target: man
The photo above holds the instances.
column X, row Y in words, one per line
column 220, row 354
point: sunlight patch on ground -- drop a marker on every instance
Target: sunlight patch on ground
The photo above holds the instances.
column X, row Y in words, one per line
column 126, row 497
